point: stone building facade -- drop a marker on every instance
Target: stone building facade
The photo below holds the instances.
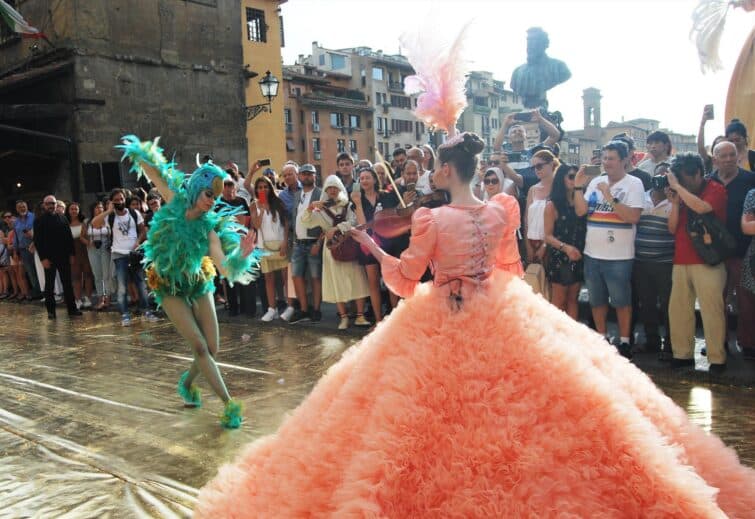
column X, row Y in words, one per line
column 324, row 117
column 169, row 67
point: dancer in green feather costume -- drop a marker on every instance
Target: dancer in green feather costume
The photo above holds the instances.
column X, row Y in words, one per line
column 187, row 241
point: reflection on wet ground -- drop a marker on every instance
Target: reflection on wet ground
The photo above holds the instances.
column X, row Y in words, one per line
column 90, row 425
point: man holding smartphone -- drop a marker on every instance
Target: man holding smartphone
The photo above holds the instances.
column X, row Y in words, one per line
column 613, row 204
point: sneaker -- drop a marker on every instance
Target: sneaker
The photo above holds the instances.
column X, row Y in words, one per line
column 271, row 314
column 150, row 317
column 361, row 321
column 231, row 417
column 78, row 304
column 316, row 316
column 625, row 350
column 85, row 302
column 287, row 313
column 682, row 363
column 299, row 317
column 125, row 320
column 344, row 324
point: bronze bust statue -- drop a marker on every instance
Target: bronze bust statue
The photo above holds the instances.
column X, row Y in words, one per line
column 532, row 80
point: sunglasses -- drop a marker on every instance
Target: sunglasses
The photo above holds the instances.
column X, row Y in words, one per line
column 490, row 181
column 7, row 216
column 571, row 176
column 540, row 166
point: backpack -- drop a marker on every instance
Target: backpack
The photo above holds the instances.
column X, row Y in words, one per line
column 710, row 238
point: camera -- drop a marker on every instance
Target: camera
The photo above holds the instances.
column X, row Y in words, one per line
column 264, row 162
column 659, row 182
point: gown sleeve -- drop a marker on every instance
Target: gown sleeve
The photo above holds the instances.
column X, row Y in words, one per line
column 508, row 257
column 402, row 275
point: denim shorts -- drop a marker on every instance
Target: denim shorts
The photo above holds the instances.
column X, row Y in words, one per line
column 302, row 261
column 609, row 279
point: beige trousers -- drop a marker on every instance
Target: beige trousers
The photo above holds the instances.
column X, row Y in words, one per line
column 704, row 283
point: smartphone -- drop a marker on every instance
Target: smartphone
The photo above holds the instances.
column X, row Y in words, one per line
column 514, row 156
column 262, row 197
column 411, row 187
column 592, row 171
column 264, row 162
column 709, row 110
column 523, row 116
column 597, row 152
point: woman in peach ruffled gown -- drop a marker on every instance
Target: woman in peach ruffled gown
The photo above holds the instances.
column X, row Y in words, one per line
column 477, row 398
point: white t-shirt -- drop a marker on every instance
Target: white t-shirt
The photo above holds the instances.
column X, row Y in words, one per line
column 301, row 229
column 125, row 232
column 423, row 184
column 608, row 236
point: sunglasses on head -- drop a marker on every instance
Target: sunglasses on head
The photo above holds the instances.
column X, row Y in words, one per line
column 491, row 181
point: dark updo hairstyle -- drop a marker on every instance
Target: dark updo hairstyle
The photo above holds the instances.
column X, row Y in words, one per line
column 463, row 152
column 559, row 194
column 736, row 126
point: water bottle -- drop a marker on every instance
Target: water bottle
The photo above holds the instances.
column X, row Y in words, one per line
column 592, row 202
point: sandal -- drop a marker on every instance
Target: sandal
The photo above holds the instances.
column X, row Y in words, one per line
column 191, row 396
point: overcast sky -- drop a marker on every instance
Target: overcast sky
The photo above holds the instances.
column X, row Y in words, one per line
column 638, row 53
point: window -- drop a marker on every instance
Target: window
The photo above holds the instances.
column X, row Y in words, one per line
column 315, row 117
column 256, row 29
column 336, row 119
column 301, row 116
column 283, row 36
column 399, row 126
column 355, row 121
column 100, row 177
column 303, row 145
column 321, row 60
column 381, row 98
column 290, row 145
column 316, row 144
column 401, row 101
column 341, row 143
column 353, row 147
column 377, row 73
column 379, row 123
column 480, row 101
column 337, row 61
column 494, row 123
column 493, row 102
column 287, row 120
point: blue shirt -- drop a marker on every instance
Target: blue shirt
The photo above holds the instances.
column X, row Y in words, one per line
column 23, row 223
column 287, row 197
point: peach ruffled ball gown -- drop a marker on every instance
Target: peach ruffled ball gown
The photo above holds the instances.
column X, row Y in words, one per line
column 477, row 398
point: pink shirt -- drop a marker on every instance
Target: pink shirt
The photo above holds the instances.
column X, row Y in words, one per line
column 459, row 243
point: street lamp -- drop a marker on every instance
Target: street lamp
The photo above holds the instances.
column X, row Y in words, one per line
column 269, row 87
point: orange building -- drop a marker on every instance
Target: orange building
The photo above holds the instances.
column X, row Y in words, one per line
column 324, row 117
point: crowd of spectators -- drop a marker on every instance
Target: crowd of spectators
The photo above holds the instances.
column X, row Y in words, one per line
column 619, row 226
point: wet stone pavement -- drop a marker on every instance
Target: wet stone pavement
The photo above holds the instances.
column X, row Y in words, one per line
column 90, row 425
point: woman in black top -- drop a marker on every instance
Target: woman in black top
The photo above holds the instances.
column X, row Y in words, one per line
column 366, row 202
column 565, row 237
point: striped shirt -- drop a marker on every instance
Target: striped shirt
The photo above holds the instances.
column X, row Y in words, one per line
column 653, row 241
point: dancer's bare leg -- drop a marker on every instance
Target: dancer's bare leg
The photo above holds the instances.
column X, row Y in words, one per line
column 188, row 325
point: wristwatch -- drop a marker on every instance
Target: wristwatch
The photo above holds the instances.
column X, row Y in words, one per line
column 579, row 188
column 616, row 201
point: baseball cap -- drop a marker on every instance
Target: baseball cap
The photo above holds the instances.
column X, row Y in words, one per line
column 307, row 168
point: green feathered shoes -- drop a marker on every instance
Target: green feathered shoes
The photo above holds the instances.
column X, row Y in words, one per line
column 191, row 396
column 231, row 417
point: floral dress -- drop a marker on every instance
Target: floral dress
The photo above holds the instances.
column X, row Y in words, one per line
column 570, row 229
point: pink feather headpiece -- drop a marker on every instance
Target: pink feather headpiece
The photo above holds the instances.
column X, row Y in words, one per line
column 440, row 78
